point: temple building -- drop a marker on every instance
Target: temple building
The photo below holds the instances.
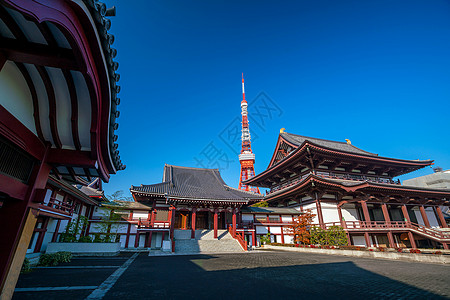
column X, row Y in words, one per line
column 347, row 186
column 190, row 200
column 58, row 110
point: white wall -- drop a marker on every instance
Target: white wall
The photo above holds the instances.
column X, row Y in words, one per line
column 275, row 229
column 432, row 217
column 349, row 213
column 261, row 230
column 419, row 217
column 247, row 217
column 313, row 208
column 286, row 218
column 142, row 215
column 330, row 212
column 288, row 239
column 16, row 96
column 359, row 241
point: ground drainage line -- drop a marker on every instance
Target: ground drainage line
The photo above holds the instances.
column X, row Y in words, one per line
column 103, row 288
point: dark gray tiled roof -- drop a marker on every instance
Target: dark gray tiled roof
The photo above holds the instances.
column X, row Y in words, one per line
column 195, row 183
column 271, row 210
column 339, row 146
column 91, row 191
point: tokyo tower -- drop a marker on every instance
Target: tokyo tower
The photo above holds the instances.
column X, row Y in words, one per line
column 246, row 158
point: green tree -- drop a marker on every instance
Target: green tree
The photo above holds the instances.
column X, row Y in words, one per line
column 261, row 203
column 118, row 195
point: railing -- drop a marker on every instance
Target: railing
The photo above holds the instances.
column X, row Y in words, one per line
column 156, row 224
column 332, row 175
column 60, row 205
column 239, row 236
column 357, row 225
column 252, row 224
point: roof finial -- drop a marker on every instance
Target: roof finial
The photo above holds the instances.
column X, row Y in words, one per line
column 348, row 141
column 282, row 130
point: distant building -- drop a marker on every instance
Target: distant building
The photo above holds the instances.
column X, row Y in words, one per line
column 437, row 180
column 347, row 186
column 192, row 202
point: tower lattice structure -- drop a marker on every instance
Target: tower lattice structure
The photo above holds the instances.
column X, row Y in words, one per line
column 247, row 157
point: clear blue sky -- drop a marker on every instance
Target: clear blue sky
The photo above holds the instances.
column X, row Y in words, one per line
column 375, row 72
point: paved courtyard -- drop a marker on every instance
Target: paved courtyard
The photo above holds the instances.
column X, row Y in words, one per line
column 263, row 275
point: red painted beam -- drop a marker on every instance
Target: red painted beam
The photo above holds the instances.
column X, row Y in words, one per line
column 17, row 133
column 38, row 54
column 12, row 187
column 74, row 158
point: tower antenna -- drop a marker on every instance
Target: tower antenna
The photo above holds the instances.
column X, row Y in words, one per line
column 247, row 157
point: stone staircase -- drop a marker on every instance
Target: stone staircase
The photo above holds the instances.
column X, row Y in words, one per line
column 205, row 242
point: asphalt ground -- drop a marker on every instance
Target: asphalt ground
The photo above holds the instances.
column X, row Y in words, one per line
column 263, row 275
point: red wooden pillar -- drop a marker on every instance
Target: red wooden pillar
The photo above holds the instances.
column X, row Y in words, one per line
column 341, row 218
column 441, row 217
column 234, row 222
column 41, row 236
column 424, row 216
column 152, row 221
column 411, row 240
column 215, row 223
column 127, row 240
column 55, row 234
column 391, row 240
column 367, row 238
column 254, row 238
column 136, row 241
column 194, row 216
column 446, row 247
column 387, row 219
column 405, row 213
column 172, row 212
column 365, row 213
column 319, row 213
column 149, row 239
column 17, row 220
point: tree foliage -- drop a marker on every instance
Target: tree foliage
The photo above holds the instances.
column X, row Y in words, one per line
column 333, row 236
column 118, row 195
column 109, row 227
column 73, row 229
column 300, row 227
column 261, row 203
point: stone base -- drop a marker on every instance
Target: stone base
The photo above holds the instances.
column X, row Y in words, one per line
column 85, row 249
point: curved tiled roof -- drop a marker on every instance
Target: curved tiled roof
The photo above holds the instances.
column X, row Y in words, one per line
column 99, row 13
column 297, row 140
column 195, row 183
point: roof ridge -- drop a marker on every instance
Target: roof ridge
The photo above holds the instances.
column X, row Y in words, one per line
column 325, row 140
column 191, row 168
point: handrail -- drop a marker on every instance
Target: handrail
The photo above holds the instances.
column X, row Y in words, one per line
column 237, row 236
column 157, row 224
column 388, row 225
column 60, row 205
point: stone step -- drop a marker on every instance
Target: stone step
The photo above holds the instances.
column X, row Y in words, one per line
column 209, row 246
column 201, row 234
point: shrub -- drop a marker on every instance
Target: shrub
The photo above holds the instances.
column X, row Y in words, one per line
column 438, row 252
column 414, row 251
column 55, row 258
column 26, row 268
column 381, row 249
column 399, row 250
column 85, row 239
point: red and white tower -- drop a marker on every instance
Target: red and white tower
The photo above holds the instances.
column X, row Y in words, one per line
column 246, row 158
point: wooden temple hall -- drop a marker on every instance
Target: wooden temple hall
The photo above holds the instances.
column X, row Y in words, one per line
column 346, row 186
column 58, row 110
column 190, row 199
